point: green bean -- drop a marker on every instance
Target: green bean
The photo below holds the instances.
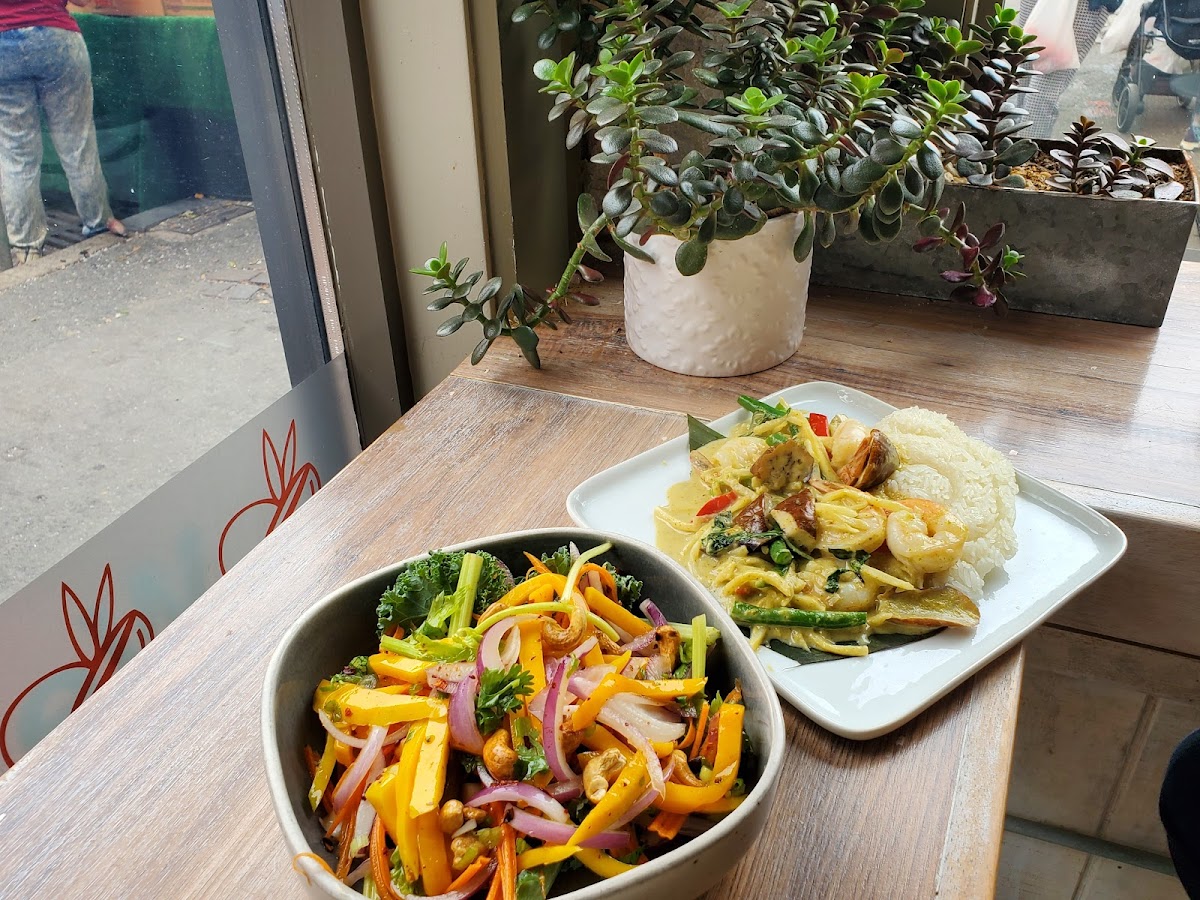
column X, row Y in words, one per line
column 746, row 614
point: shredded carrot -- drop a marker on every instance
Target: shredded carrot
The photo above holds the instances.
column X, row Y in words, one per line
column 667, row 824
column 507, row 854
column 381, row 869
column 708, row 747
column 537, row 565
column 344, row 859
column 470, row 871
column 494, row 891
column 320, row 861
column 700, row 725
column 347, row 812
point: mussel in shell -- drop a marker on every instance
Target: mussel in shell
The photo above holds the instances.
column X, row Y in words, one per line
column 872, row 464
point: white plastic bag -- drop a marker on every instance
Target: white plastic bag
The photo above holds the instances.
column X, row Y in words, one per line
column 1119, row 29
column 1053, row 21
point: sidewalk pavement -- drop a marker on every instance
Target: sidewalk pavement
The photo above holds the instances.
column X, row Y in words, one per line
column 122, row 362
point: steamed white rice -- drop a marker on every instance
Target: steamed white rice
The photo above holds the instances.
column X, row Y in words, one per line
column 939, row 462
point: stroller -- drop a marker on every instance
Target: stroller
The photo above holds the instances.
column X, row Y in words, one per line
column 1177, row 23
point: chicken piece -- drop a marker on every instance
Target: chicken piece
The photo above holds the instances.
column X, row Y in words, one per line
column 797, row 519
column 782, row 465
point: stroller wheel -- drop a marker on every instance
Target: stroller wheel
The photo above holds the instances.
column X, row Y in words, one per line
column 1128, row 106
column 1119, row 88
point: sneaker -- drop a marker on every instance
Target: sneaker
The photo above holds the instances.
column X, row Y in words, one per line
column 21, row 255
column 1190, row 139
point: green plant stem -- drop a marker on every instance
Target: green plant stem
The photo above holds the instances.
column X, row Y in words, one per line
column 564, row 283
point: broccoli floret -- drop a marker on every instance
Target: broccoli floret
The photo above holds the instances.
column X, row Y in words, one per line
column 424, row 592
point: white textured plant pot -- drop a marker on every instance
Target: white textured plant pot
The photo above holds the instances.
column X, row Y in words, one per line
column 744, row 312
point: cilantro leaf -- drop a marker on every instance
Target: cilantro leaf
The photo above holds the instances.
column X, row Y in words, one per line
column 531, row 756
column 500, row 692
column 355, row 672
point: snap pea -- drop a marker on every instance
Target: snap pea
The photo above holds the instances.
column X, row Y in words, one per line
column 764, row 409
column 780, row 554
column 746, row 614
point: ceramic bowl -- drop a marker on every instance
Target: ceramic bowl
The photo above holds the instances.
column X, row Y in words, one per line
column 342, row 625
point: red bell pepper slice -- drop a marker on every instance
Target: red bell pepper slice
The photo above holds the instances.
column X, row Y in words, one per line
column 716, row 504
column 819, row 423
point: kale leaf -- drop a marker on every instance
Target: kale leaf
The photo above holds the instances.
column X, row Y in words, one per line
column 629, row 589
column 422, row 587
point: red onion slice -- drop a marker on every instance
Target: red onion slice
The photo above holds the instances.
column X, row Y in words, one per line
column 585, row 681
column 560, row 832
column 484, row 775
column 594, row 580
column 519, row 791
column 494, row 652
column 638, row 741
column 640, row 644
column 359, row 873
column 565, row 790
column 464, row 732
column 350, row 740
column 651, row 719
column 583, row 649
column 653, row 613
column 639, row 807
column 443, row 676
column 471, row 887
column 362, row 765
column 556, row 704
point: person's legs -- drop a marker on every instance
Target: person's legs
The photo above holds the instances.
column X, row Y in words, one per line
column 1043, row 106
column 20, row 146
column 1179, row 809
column 65, row 94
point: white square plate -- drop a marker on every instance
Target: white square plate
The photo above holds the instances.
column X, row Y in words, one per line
column 1062, row 547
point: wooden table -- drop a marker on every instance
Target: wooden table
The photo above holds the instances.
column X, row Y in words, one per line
column 154, row 788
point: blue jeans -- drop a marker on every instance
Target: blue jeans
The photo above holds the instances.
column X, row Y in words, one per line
column 47, row 71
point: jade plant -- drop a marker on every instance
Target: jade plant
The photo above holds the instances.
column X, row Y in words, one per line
column 993, row 77
column 840, row 112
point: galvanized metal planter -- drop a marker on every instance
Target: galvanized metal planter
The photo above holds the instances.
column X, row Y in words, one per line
column 1087, row 257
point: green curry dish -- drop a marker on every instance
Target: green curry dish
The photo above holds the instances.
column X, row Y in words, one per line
column 724, row 535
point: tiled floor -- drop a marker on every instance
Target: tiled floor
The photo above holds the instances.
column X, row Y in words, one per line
column 1098, row 722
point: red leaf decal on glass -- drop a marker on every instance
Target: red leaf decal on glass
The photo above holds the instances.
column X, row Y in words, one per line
column 108, row 643
column 287, row 487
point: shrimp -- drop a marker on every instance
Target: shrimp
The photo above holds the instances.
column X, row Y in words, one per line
column 847, row 437
column 929, row 539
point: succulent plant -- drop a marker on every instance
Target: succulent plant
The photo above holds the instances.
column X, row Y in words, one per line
column 991, row 149
column 1095, row 162
column 829, row 110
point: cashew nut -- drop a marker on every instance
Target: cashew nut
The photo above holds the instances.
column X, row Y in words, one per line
column 683, row 772
column 556, row 639
column 601, row 771
column 607, row 645
column 498, row 755
column 464, row 849
column 667, row 640
column 451, row 816
column 475, row 814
